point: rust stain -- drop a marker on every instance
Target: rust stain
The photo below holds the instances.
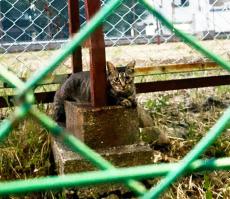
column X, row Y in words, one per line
column 157, row 69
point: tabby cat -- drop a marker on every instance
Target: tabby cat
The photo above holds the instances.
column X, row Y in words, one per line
column 121, row 89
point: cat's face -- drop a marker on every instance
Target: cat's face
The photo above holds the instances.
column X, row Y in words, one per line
column 121, row 81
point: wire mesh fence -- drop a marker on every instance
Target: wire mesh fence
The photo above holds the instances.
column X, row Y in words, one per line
column 158, row 45
column 32, row 31
column 26, row 98
column 29, row 31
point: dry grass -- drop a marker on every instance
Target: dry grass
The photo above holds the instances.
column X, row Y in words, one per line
column 25, row 154
column 25, row 63
column 186, row 116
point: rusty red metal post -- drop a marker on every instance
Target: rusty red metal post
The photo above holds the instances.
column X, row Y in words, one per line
column 97, row 59
column 74, row 26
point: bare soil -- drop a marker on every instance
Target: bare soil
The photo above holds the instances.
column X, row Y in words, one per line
column 25, row 63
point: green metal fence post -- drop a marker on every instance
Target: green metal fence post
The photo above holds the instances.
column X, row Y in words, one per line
column 99, row 177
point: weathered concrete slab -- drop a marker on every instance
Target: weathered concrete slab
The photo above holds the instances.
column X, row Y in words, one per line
column 123, row 156
column 129, row 155
column 103, row 127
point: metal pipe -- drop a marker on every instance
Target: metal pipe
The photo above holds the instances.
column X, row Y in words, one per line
column 99, row 177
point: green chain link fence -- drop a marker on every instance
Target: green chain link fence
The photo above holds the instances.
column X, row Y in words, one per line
column 128, row 176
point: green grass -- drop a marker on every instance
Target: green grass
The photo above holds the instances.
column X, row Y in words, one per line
column 26, row 153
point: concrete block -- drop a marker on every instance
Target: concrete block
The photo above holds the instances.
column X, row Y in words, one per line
column 102, row 127
column 113, row 132
column 128, row 155
column 123, row 156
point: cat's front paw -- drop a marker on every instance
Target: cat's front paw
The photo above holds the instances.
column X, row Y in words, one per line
column 133, row 101
column 126, row 103
column 134, row 104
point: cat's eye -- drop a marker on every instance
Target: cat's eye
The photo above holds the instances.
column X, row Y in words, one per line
column 127, row 78
column 116, row 79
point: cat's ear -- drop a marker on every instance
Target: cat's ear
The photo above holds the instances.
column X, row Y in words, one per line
column 111, row 68
column 130, row 67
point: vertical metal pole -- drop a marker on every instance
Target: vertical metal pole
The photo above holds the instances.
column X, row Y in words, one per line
column 98, row 81
column 1, row 26
column 74, row 26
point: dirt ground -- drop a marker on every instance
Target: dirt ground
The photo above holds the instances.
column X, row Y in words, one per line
column 145, row 55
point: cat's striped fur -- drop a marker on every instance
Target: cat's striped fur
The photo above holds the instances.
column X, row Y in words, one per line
column 121, row 89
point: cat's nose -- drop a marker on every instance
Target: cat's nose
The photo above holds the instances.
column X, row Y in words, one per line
column 125, row 88
column 123, row 84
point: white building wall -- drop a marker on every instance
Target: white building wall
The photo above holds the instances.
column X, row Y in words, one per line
column 197, row 18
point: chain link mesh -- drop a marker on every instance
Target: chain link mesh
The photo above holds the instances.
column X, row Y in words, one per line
column 32, row 31
column 209, row 21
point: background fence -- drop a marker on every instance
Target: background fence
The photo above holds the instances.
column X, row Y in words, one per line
column 26, row 21
column 42, row 26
